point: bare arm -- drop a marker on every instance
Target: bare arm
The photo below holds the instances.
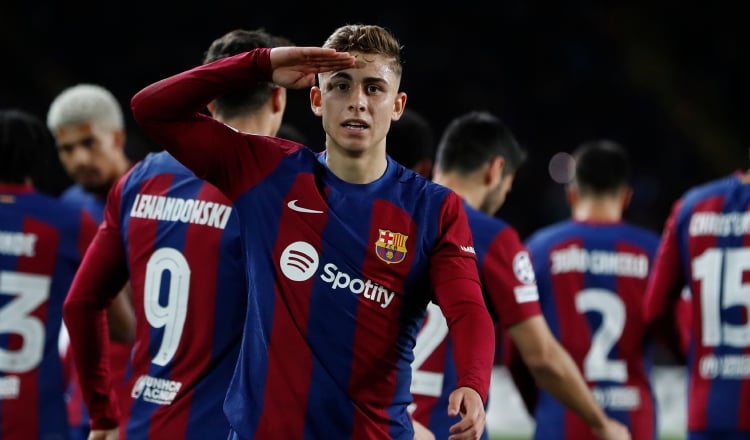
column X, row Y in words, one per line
column 554, row 371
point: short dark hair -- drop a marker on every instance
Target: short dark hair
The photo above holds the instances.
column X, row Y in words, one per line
column 250, row 99
column 475, row 138
column 411, row 139
column 24, row 139
column 602, row 167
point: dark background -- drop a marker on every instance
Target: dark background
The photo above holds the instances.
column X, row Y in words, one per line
column 669, row 82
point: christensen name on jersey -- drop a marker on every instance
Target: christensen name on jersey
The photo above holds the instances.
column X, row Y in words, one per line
column 175, row 209
column 575, row 259
column 720, row 225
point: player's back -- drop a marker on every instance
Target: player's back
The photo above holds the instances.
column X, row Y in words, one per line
column 186, row 269
column 511, row 296
column 712, row 230
column 592, row 278
column 42, row 241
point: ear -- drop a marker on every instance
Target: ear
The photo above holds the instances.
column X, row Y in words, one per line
column 211, row 108
column 494, row 172
column 315, row 100
column 571, row 195
column 398, row 106
column 627, row 197
column 278, row 99
column 119, row 136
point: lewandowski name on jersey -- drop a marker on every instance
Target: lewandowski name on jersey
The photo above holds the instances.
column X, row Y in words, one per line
column 176, row 209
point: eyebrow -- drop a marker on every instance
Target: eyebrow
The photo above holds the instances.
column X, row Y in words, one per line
column 366, row 80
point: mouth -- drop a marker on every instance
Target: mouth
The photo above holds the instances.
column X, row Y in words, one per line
column 86, row 175
column 355, row 124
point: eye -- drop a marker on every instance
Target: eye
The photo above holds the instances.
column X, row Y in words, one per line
column 64, row 149
column 88, row 143
column 372, row 88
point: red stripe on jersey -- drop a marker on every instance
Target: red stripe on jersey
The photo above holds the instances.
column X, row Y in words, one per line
column 377, row 327
column 289, row 357
column 700, row 387
column 630, row 346
column 140, row 240
column 195, row 346
column 575, row 333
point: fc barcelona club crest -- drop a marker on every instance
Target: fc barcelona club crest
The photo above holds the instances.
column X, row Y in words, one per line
column 391, row 246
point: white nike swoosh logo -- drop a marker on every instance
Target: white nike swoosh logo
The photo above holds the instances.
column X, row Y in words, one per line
column 293, row 206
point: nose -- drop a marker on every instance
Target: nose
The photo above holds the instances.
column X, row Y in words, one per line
column 80, row 155
column 358, row 99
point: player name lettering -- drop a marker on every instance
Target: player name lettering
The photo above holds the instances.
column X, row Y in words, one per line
column 176, row 209
column 575, row 259
column 368, row 288
column 618, row 398
column 720, row 225
column 730, row 366
column 17, row 243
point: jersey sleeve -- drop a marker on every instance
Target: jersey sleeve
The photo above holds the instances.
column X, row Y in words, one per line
column 100, row 277
column 665, row 286
column 509, row 281
column 171, row 112
column 458, row 293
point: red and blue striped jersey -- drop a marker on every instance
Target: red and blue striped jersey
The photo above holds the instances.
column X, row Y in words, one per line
column 705, row 245
column 177, row 239
column 511, row 296
column 42, row 241
column 340, row 274
column 592, row 280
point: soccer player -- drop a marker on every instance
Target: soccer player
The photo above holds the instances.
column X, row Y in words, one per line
column 89, row 130
column 177, row 238
column 342, row 247
column 42, row 241
column 592, row 271
column 477, row 157
column 411, row 142
column 705, row 246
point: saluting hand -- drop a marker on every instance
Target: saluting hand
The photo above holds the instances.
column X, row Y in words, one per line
column 296, row 67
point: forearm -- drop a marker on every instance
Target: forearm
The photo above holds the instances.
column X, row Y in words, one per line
column 561, row 378
column 472, row 332
column 89, row 343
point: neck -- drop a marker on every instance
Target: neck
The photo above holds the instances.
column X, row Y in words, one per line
column 473, row 194
column 598, row 209
column 257, row 123
column 356, row 166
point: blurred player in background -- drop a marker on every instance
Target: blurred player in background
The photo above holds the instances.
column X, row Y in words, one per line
column 706, row 246
column 478, row 157
column 592, row 271
column 42, row 241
